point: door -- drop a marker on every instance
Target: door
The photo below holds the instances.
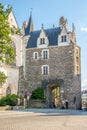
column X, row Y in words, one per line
column 56, row 96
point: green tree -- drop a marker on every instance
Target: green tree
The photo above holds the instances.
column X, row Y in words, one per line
column 7, row 53
column 9, row 100
column 38, row 94
column 3, row 78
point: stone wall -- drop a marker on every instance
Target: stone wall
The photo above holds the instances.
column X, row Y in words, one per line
column 61, row 64
column 36, row 104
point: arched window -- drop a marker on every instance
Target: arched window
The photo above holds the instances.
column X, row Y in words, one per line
column 35, row 55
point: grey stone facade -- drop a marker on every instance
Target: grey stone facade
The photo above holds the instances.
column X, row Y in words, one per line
column 64, row 75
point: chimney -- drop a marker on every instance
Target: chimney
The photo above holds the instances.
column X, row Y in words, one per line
column 25, row 24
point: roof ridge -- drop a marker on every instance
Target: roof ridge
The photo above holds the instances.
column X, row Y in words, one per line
column 46, row 29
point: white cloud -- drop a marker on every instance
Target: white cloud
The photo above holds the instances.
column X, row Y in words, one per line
column 84, row 84
column 84, row 29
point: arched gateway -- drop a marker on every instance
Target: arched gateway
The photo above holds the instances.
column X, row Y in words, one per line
column 8, row 90
column 53, row 92
column 53, row 95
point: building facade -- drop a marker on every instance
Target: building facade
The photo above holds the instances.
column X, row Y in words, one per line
column 51, row 59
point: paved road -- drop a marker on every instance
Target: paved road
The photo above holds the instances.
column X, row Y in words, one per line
column 43, row 119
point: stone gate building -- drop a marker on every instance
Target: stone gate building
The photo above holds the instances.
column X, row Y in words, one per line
column 52, row 61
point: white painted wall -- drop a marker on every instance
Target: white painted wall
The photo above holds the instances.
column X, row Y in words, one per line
column 25, row 41
column 12, row 73
column 17, row 39
column 12, row 20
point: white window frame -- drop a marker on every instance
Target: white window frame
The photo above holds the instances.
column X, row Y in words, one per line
column 46, row 55
column 63, row 38
column 34, row 55
column 42, row 41
column 45, row 72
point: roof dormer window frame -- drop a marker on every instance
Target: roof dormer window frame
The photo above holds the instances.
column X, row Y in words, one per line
column 42, row 41
column 63, row 38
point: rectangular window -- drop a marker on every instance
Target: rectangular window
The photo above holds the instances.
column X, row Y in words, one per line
column 45, row 69
column 42, row 41
column 45, row 54
column 63, row 38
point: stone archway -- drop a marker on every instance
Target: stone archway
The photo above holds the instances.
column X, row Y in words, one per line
column 8, row 90
column 56, row 96
column 53, row 95
column 53, row 92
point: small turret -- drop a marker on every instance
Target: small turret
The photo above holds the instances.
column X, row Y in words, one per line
column 25, row 24
column 73, row 34
column 29, row 27
column 63, row 23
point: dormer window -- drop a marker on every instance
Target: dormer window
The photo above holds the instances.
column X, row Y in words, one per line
column 42, row 41
column 63, row 38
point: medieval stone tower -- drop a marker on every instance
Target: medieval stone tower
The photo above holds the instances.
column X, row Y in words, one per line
column 52, row 61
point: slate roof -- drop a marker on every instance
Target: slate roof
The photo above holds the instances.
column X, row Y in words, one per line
column 29, row 27
column 52, row 35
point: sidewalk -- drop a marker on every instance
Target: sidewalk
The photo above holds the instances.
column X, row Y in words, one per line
column 43, row 119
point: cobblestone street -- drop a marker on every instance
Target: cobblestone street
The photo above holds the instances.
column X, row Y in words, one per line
column 40, row 119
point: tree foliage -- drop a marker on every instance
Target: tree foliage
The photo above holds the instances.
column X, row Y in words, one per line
column 7, row 53
column 38, row 94
column 9, row 100
column 3, row 78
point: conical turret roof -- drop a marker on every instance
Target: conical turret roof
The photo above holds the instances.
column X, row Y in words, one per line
column 30, row 26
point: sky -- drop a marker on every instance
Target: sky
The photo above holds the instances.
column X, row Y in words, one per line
column 48, row 12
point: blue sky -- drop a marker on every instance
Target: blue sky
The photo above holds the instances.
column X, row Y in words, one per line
column 48, row 12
